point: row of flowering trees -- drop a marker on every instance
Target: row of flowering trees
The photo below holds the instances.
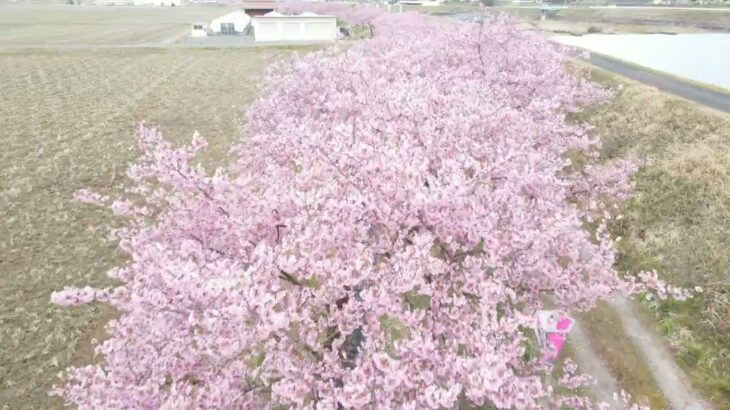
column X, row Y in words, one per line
column 397, row 212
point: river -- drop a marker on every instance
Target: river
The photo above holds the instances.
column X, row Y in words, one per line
column 699, row 57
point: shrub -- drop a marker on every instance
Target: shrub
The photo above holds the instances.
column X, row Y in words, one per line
column 595, row 29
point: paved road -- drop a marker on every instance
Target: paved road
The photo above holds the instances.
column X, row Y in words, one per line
column 674, row 86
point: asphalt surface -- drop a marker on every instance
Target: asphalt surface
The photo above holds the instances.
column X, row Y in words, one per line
column 712, row 99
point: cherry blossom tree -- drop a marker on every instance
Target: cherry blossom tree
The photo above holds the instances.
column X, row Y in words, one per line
column 397, row 212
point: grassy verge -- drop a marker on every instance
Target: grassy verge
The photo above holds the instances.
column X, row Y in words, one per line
column 679, row 219
column 581, row 27
column 585, row 20
column 708, row 20
column 67, row 122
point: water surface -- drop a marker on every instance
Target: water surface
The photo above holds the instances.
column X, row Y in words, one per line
column 700, row 57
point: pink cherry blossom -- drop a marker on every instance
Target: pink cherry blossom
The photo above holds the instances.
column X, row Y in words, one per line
column 79, row 296
column 89, row 197
column 398, row 211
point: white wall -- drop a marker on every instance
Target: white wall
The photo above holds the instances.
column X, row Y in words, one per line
column 295, row 28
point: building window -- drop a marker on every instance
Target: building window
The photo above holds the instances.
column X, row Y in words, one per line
column 228, row 29
column 198, row 27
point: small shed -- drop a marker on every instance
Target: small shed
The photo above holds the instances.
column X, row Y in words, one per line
column 199, row 30
column 231, row 24
column 303, row 27
column 552, row 330
column 258, row 7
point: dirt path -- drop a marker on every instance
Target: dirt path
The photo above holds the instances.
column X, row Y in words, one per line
column 671, row 380
column 674, row 384
column 589, row 362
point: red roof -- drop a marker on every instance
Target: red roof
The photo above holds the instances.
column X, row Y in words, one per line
column 259, row 4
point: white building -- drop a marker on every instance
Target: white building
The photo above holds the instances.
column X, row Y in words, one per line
column 303, row 27
column 172, row 3
column 163, row 3
column 232, row 23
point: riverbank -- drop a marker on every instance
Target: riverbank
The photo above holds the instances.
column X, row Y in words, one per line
column 698, row 57
column 677, row 222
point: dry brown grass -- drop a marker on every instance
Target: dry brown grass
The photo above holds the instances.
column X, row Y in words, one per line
column 679, row 220
column 587, row 27
column 66, row 122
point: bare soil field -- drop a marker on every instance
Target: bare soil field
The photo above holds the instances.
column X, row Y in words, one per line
column 23, row 23
column 66, row 122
